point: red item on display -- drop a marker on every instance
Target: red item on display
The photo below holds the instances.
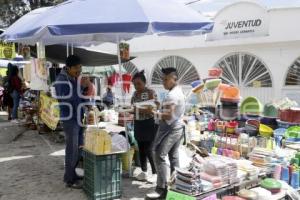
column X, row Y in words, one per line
column 113, row 79
column 126, row 82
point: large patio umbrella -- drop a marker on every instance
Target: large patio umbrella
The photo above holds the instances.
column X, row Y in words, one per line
column 94, row 21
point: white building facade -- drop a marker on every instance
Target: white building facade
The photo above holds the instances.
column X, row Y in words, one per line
column 257, row 48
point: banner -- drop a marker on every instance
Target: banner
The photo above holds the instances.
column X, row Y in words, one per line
column 7, row 50
column 49, row 110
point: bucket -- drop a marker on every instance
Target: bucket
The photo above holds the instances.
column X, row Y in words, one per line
column 127, row 159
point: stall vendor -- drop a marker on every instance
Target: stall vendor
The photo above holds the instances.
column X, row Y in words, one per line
column 68, row 95
column 108, row 97
column 170, row 132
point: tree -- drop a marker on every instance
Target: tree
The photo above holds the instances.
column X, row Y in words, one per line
column 12, row 10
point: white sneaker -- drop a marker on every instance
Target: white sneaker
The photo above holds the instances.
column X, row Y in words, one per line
column 143, row 176
column 152, row 178
column 22, row 120
column 14, row 121
column 136, row 171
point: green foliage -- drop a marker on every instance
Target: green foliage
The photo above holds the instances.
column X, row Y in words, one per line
column 12, row 10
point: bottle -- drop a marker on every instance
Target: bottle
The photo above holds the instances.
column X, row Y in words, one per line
column 91, row 118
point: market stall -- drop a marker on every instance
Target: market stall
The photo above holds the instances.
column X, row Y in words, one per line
column 251, row 147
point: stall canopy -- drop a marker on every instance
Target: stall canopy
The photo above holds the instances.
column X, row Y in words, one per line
column 58, row 54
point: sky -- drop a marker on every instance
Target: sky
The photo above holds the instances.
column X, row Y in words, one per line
column 210, row 7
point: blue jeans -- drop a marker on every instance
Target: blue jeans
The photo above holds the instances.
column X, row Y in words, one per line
column 72, row 136
column 15, row 95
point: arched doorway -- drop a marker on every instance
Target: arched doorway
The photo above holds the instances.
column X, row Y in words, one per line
column 249, row 73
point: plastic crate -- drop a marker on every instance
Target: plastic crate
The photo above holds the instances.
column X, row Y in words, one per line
column 102, row 176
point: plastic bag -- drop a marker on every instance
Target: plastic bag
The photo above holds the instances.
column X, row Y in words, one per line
column 119, row 143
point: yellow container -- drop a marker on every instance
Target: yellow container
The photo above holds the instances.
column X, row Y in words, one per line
column 127, row 159
column 265, row 131
column 97, row 141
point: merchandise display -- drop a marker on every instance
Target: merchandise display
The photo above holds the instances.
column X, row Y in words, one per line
column 247, row 143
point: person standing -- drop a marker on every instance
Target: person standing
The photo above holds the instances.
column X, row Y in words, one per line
column 170, row 132
column 108, row 97
column 7, row 99
column 144, row 125
column 15, row 89
column 68, row 90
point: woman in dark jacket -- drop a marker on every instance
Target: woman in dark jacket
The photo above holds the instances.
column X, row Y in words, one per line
column 7, row 100
column 15, row 91
column 144, row 125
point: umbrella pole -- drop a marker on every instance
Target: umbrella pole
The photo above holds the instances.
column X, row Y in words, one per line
column 123, row 98
column 40, row 54
column 120, row 70
column 72, row 49
column 67, row 49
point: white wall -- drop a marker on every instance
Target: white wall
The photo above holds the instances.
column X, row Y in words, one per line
column 277, row 57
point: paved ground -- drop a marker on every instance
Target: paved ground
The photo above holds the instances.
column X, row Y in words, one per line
column 31, row 168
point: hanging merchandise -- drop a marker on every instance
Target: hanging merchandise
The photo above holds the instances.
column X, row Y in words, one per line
column 124, row 51
column 24, row 50
column 27, row 72
column 41, row 68
column 49, row 110
column 7, row 50
column 113, row 79
column 36, row 82
column 126, row 82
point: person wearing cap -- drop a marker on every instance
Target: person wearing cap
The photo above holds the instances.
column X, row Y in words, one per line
column 68, row 90
column 170, row 132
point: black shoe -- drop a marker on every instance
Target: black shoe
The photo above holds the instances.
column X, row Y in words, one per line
column 76, row 185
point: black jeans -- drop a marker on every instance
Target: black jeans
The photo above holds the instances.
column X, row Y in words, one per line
column 145, row 152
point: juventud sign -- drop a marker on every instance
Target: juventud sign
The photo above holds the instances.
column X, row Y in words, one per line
column 240, row 20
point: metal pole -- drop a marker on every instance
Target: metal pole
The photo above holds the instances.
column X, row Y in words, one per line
column 72, row 49
column 67, row 49
column 123, row 96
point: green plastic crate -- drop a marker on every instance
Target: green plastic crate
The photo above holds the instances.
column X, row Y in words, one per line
column 102, row 176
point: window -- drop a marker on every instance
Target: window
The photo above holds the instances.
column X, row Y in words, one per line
column 244, row 70
column 187, row 72
column 130, row 67
column 293, row 75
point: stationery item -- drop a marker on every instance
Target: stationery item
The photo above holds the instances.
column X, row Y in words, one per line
column 295, row 180
column 277, row 172
column 214, row 150
column 285, row 174
column 210, row 178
